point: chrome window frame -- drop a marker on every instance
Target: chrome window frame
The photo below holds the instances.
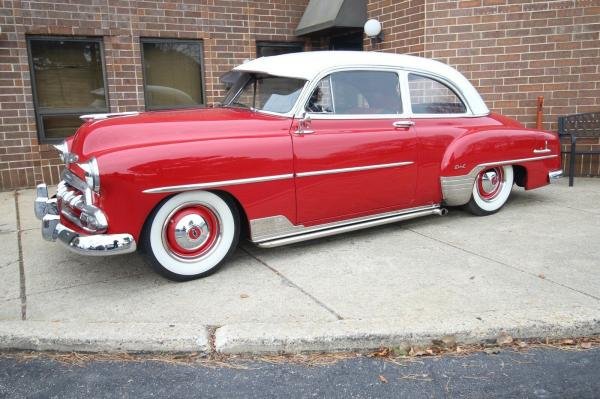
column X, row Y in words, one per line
column 299, row 109
column 305, row 97
column 447, row 84
column 404, row 93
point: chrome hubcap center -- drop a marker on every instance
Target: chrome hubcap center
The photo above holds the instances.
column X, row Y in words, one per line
column 490, row 181
column 191, row 232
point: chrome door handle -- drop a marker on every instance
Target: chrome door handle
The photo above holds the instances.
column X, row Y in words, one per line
column 405, row 124
column 542, row 150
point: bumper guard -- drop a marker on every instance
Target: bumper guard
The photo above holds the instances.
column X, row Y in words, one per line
column 554, row 176
column 46, row 209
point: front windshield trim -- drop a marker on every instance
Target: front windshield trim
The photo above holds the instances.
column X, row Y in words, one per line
column 239, row 86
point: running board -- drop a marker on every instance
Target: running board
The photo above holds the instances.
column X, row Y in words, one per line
column 350, row 227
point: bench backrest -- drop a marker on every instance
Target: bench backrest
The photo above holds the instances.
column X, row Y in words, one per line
column 580, row 125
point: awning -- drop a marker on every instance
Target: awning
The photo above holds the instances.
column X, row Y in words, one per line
column 326, row 14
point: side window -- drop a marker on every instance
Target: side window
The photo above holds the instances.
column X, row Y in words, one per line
column 320, row 100
column 428, row 96
column 357, row 92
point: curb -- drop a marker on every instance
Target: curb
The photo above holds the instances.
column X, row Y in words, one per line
column 280, row 338
column 361, row 335
column 103, row 337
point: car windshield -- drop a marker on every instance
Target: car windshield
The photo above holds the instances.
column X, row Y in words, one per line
column 264, row 93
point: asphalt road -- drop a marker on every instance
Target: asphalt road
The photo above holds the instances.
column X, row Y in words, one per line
column 537, row 373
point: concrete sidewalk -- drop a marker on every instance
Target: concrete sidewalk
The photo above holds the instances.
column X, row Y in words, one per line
column 532, row 270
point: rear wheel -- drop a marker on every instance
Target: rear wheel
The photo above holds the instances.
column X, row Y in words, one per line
column 190, row 235
column 491, row 190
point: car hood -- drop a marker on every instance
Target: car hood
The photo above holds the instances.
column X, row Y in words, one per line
column 163, row 127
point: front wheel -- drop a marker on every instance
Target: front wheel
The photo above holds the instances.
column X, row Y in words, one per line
column 491, row 190
column 189, row 235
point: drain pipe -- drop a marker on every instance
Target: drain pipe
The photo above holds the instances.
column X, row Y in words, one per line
column 540, row 113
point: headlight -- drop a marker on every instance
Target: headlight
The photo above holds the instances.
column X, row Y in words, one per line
column 92, row 174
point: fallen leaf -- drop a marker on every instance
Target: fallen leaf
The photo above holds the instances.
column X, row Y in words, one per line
column 449, row 341
column 504, row 339
column 541, row 276
column 383, row 379
column 586, row 345
column 382, row 352
column 492, row 351
column 244, row 296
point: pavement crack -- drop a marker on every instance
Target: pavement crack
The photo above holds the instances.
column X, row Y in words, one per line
column 105, row 281
column 505, row 264
column 292, row 284
column 22, row 287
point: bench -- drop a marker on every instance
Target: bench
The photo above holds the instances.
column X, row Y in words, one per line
column 578, row 126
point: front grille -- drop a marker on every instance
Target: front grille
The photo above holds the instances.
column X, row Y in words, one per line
column 74, row 203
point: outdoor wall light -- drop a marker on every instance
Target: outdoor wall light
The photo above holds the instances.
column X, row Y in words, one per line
column 373, row 31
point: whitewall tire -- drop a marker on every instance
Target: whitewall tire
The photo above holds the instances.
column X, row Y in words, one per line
column 190, row 234
column 491, row 190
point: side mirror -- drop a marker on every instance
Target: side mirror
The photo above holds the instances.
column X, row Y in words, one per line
column 304, row 123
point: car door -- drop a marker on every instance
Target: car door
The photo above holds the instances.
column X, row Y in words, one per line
column 355, row 150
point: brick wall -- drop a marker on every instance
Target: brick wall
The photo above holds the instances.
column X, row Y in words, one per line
column 512, row 50
column 403, row 25
column 229, row 30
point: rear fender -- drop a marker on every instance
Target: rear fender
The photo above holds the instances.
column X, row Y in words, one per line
column 536, row 151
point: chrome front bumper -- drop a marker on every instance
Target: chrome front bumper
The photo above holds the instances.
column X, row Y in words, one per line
column 554, row 176
column 46, row 209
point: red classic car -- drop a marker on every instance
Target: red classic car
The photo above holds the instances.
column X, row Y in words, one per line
column 304, row 146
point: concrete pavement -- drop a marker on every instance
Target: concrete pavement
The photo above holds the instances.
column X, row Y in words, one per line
column 533, row 270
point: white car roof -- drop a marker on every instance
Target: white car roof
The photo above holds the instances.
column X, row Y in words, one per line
column 308, row 65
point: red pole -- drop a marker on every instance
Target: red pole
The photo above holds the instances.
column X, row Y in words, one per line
column 540, row 113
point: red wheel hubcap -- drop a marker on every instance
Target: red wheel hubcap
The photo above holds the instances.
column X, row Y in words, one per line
column 489, row 183
column 191, row 231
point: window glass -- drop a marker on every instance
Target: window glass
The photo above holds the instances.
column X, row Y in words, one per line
column 358, row 92
column 266, row 93
column 267, row 49
column 172, row 73
column 68, row 81
column 320, row 100
column 428, row 96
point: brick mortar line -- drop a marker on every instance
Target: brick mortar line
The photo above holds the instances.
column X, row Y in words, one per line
column 505, row 264
column 22, row 287
column 292, row 284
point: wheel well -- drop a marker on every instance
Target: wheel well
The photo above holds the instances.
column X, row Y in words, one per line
column 244, row 223
column 520, row 175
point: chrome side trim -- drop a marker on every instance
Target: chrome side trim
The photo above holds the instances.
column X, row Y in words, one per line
column 96, row 117
column 456, row 190
column 200, row 186
column 352, row 169
column 277, row 227
column 350, row 227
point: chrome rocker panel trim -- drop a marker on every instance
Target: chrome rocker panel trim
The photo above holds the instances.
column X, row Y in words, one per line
column 456, row 190
column 95, row 245
column 275, row 231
